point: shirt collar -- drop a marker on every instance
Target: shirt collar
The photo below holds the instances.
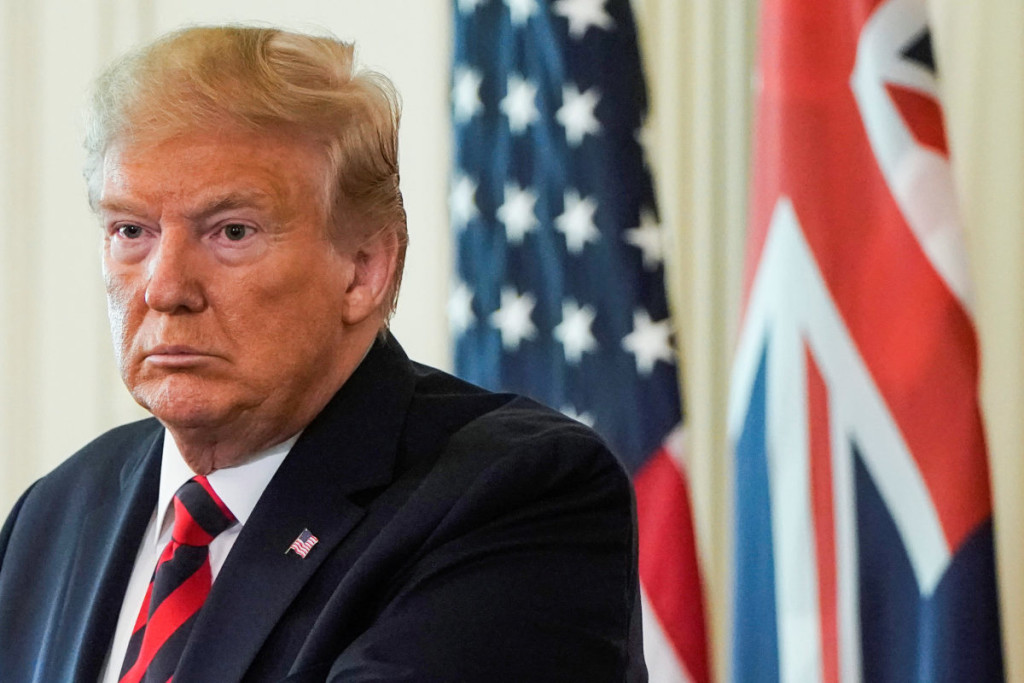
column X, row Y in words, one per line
column 240, row 487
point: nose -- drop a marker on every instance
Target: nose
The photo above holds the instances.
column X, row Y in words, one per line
column 174, row 278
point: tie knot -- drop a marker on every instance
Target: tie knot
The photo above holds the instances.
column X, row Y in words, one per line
column 199, row 513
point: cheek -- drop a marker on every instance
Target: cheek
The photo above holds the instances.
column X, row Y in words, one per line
column 310, row 289
column 302, row 313
column 120, row 294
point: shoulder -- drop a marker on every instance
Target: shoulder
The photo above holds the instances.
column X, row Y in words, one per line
column 505, row 456
column 523, row 437
column 100, row 466
column 519, row 521
column 108, row 452
column 59, row 504
column 481, row 430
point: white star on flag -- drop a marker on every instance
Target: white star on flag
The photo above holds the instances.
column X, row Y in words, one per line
column 519, row 103
column 513, row 318
column 585, row 418
column 649, row 342
column 460, row 309
column 517, row 212
column 553, row 146
column 521, row 10
column 577, row 113
column 574, row 331
column 466, row 93
column 648, row 239
column 582, row 14
column 462, row 201
column 645, row 135
column 469, row 6
column 577, row 221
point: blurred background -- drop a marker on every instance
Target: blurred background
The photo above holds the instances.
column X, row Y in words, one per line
column 58, row 384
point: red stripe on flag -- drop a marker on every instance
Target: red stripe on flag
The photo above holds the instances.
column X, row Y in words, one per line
column 915, row 338
column 823, row 511
column 923, row 116
column 669, row 569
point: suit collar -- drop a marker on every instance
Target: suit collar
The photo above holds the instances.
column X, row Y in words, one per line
column 105, row 555
column 351, row 446
column 353, row 439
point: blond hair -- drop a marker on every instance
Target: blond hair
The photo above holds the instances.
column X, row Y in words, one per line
column 264, row 79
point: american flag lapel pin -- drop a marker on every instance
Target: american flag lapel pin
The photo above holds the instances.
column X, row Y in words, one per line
column 303, row 544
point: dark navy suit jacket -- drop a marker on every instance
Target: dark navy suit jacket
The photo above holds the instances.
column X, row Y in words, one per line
column 463, row 536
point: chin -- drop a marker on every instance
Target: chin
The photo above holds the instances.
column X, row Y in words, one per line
column 185, row 403
column 179, row 415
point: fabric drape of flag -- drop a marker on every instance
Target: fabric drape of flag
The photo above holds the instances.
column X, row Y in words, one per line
column 864, row 546
column 560, row 290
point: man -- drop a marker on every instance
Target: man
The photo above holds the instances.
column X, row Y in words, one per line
column 317, row 507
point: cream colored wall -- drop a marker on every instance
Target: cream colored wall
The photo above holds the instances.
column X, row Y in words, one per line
column 56, row 382
column 699, row 57
column 982, row 56
column 58, row 387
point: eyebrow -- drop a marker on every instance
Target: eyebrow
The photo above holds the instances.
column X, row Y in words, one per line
column 232, row 200
column 119, row 206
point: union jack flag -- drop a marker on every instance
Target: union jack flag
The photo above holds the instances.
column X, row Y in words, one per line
column 560, row 290
column 303, row 544
column 864, row 543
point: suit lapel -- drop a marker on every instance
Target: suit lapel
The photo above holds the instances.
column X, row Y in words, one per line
column 350, row 447
column 105, row 556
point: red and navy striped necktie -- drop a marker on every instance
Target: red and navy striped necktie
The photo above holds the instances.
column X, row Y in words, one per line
column 179, row 586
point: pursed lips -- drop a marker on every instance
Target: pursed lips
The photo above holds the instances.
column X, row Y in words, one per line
column 176, row 355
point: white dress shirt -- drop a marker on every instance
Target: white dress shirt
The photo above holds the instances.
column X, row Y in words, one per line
column 239, row 487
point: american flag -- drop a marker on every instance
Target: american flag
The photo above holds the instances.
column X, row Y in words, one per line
column 864, row 545
column 559, row 286
column 303, row 544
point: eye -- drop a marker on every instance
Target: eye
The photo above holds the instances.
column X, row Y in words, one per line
column 236, row 232
column 130, row 231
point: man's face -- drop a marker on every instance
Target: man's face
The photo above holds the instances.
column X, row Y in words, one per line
column 228, row 303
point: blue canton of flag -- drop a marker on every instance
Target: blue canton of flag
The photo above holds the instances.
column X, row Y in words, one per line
column 560, row 292
column 559, row 288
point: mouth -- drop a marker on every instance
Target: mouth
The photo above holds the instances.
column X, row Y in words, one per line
column 176, row 356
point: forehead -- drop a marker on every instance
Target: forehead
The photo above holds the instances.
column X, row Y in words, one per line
column 230, row 167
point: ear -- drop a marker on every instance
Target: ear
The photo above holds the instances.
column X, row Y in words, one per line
column 374, row 264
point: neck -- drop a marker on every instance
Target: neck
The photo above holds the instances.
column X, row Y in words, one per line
column 204, row 452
